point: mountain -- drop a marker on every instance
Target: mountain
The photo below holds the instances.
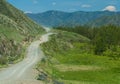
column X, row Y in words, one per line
column 58, row 18
column 15, row 30
column 105, row 20
column 25, row 24
column 49, row 18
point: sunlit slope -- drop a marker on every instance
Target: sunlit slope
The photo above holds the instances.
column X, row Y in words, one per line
column 16, row 30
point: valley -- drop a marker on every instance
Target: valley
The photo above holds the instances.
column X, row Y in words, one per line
column 58, row 47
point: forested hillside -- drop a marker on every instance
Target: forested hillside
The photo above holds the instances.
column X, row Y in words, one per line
column 103, row 38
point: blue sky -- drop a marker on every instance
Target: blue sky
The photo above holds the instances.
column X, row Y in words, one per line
column 36, row 6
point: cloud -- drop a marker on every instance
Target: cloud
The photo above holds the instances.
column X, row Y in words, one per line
column 85, row 6
column 27, row 12
column 110, row 8
column 53, row 3
column 35, row 1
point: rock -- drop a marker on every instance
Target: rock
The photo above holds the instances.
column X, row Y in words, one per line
column 57, row 82
column 42, row 76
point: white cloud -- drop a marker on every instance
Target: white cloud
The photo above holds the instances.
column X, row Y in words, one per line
column 27, row 12
column 53, row 3
column 85, row 6
column 110, row 8
column 35, row 1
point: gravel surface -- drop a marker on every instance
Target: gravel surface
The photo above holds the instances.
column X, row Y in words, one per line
column 24, row 72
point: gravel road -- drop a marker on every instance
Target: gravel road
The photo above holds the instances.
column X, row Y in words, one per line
column 24, row 72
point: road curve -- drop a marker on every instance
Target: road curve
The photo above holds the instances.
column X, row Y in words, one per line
column 24, row 72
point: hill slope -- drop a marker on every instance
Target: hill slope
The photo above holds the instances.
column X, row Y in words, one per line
column 105, row 20
column 58, row 18
column 19, row 17
column 15, row 30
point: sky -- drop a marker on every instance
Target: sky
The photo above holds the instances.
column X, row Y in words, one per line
column 38, row 6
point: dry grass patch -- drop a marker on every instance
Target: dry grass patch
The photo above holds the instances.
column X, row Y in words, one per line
column 64, row 67
column 77, row 82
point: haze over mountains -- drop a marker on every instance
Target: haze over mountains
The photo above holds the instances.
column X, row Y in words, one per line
column 59, row 18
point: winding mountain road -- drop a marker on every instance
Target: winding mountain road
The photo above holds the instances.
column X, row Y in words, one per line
column 24, row 72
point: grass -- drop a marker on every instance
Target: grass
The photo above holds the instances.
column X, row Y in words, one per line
column 69, row 67
column 11, row 33
column 11, row 44
column 101, row 77
column 109, row 69
column 76, row 82
column 16, row 31
column 73, row 62
column 3, row 66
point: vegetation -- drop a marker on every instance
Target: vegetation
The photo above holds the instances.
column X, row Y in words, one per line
column 73, row 55
column 71, row 59
column 102, row 38
column 16, row 30
column 24, row 24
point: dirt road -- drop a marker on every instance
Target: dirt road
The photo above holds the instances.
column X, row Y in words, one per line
column 24, row 72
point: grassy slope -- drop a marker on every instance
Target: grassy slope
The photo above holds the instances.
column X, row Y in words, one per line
column 16, row 29
column 26, row 25
column 72, row 61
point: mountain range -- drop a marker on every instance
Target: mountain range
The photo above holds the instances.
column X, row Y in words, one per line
column 59, row 18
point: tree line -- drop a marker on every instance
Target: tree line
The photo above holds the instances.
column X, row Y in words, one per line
column 105, row 39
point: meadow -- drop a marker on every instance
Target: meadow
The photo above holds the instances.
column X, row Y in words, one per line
column 70, row 59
